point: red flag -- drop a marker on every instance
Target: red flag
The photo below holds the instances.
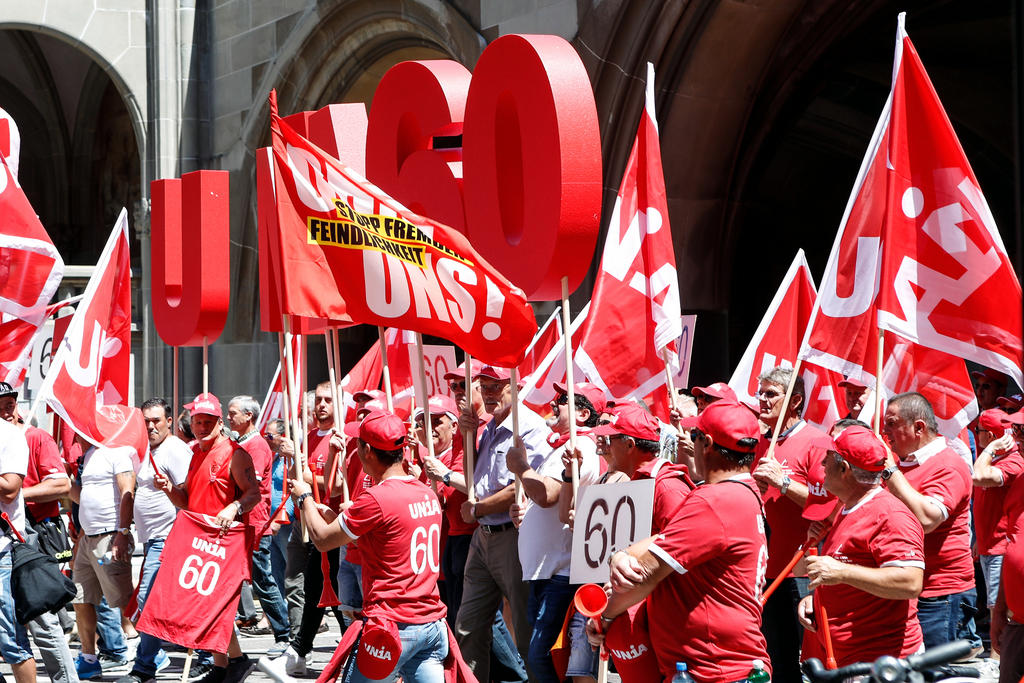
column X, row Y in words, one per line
column 545, row 339
column 87, row 384
column 537, row 391
column 947, row 282
column 30, row 272
column 347, row 248
column 842, row 334
column 634, row 318
column 777, row 342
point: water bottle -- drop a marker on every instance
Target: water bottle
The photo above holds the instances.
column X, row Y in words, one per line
column 682, row 675
column 107, row 558
column 758, row 674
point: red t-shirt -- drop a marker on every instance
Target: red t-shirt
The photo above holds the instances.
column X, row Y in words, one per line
column 209, row 483
column 707, row 612
column 193, row 600
column 947, row 549
column 398, row 524
column 319, row 445
column 1013, row 559
column 879, row 531
column 262, row 462
column 801, row 453
column 672, row 485
column 990, row 509
column 43, row 461
column 452, row 497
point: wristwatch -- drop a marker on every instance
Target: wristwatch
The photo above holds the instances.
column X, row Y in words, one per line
column 302, row 499
column 125, row 531
column 887, row 472
column 447, row 478
column 784, row 486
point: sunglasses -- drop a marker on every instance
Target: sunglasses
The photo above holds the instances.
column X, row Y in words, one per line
column 769, row 393
column 696, row 435
column 562, row 400
column 457, row 386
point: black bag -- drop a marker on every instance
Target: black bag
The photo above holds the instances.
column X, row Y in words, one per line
column 53, row 537
column 37, row 584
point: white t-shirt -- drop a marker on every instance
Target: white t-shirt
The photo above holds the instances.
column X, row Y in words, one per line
column 154, row 511
column 545, row 543
column 13, row 460
column 100, row 504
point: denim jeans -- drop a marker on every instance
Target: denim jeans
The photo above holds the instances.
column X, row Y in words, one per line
column 266, row 591
column 149, row 646
column 350, row 583
column 546, row 606
column 53, row 648
column 14, row 645
column 991, row 568
column 507, row 665
column 948, row 617
column 424, row 649
column 109, row 635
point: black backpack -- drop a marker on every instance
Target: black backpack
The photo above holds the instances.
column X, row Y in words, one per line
column 37, row 584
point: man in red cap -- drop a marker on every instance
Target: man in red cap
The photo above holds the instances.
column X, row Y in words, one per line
column 718, row 391
column 492, row 566
column 989, row 385
column 1007, row 627
column 787, row 480
column 855, row 393
column 871, row 567
column 935, row 483
column 221, row 483
column 705, row 570
column 398, row 523
column 999, row 463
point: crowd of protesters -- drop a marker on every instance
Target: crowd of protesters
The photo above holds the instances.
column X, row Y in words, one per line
column 914, row 540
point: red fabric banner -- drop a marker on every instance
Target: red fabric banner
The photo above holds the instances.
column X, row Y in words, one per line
column 348, row 249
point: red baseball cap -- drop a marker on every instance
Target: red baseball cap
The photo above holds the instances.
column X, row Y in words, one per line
column 631, row 420
column 369, row 395
column 991, row 420
column 373, row 404
column 727, row 422
column 1011, row 403
column 204, row 404
column 715, row 391
column 379, row 429
column 491, row 372
column 1014, row 418
column 852, row 383
column 379, row 648
column 860, row 447
column 440, row 404
column 592, row 392
column 990, row 374
column 474, row 370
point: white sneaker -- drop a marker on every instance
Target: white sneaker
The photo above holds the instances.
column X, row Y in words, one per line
column 283, row 668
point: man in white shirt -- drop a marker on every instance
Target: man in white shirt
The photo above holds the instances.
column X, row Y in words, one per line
column 14, row 645
column 102, row 566
column 154, row 515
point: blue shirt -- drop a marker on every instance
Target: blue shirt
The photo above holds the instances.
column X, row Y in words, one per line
column 490, row 471
column 277, row 487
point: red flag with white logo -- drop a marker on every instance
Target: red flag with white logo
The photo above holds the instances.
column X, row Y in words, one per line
column 777, row 342
column 947, row 282
column 87, row 384
column 30, row 272
column 545, row 339
column 842, row 334
column 347, row 249
column 634, row 324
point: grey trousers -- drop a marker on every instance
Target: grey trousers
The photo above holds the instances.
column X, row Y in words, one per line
column 53, row 648
column 492, row 571
column 294, row 591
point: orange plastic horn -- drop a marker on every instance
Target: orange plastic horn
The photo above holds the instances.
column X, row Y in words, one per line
column 590, row 600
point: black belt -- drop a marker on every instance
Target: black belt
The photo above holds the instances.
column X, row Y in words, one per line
column 102, row 533
column 490, row 529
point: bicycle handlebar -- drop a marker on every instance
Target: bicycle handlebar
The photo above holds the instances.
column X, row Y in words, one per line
column 931, row 658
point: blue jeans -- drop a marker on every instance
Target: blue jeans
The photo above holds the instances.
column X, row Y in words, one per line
column 948, row 617
column 507, row 665
column 546, row 607
column 264, row 587
column 350, row 584
column 14, row 645
column 424, row 649
column 109, row 635
column 149, row 646
column 279, row 556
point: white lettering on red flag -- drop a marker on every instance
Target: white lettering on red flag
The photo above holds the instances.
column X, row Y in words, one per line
column 634, row 317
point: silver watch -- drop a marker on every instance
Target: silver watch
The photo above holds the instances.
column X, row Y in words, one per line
column 786, row 481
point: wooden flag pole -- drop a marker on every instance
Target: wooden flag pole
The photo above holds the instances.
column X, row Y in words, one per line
column 206, row 366
column 384, row 367
column 570, row 389
column 469, row 438
column 428, row 421
column 878, row 382
column 290, row 394
column 669, row 380
column 514, row 386
column 174, row 385
column 785, row 408
column 330, row 346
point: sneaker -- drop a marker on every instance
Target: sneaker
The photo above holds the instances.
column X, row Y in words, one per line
column 136, row 677
column 162, row 661
column 254, row 630
column 239, row 668
column 277, row 649
column 108, row 663
column 87, row 670
column 214, row 674
column 199, row 670
column 283, row 668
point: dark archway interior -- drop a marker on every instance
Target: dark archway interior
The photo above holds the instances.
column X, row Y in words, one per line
column 79, row 156
column 800, row 157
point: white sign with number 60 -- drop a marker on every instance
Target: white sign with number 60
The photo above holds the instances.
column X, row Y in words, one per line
column 609, row 517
